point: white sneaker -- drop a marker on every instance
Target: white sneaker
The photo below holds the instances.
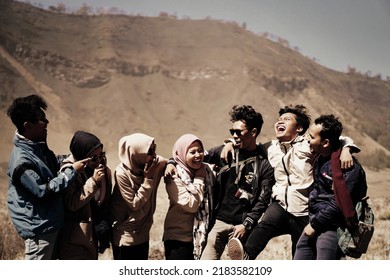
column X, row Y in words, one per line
column 236, row 250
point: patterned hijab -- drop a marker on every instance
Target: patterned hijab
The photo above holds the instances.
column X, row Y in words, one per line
column 132, row 153
column 202, row 216
column 180, row 149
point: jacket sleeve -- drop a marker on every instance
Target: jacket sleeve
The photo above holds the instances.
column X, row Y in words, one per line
column 187, row 195
column 26, row 176
column 348, row 142
column 326, row 216
column 76, row 196
column 134, row 196
column 213, row 156
column 355, row 179
column 265, row 182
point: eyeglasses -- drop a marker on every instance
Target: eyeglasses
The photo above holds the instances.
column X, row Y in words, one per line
column 238, row 132
column 98, row 157
column 152, row 149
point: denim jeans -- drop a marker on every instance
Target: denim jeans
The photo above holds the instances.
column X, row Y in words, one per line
column 275, row 222
column 42, row 247
column 321, row 247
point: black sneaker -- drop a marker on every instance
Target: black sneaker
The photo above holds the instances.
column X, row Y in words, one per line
column 236, row 250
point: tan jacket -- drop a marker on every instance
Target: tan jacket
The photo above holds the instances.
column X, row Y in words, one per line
column 184, row 201
column 133, row 205
column 293, row 169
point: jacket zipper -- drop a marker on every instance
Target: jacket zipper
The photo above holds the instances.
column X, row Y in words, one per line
column 288, row 178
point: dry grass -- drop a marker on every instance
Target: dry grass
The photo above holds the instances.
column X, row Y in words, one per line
column 11, row 246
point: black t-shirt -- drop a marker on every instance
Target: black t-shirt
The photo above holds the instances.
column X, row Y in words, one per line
column 231, row 209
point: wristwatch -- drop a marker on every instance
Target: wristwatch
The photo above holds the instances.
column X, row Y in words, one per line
column 247, row 225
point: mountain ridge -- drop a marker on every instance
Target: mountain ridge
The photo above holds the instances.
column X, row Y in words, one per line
column 114, row 75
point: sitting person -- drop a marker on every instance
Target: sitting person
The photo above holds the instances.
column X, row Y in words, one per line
column 329, row 207
column 291, row 157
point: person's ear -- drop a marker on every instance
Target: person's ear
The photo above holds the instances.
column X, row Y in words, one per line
column 326, row 143
column 254, row 132
column 299, row 129
column 27, row 125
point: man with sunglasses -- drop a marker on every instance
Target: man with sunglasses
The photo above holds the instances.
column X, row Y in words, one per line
column 34, row 189
column 244, row 186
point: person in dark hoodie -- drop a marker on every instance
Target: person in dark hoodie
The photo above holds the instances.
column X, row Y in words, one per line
column 34, row 188
column 86, row 229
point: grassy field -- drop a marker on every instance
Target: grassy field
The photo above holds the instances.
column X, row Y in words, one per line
column 11, row 246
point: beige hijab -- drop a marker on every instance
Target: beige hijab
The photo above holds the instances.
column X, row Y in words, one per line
column 132, row 154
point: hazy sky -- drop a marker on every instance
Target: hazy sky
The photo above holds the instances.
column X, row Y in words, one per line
column 337, row 33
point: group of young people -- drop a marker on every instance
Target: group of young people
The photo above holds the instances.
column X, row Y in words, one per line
column 239, row 194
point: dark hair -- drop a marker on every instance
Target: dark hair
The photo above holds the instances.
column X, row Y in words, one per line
column 26, row 109
column 331, row 129
column 303, row 118
column 248, row 115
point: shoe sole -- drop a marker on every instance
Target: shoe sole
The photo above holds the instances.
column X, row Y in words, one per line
column 235, row 249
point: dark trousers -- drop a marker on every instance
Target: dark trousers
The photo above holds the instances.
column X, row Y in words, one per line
column 136, row 252
column 178, row 250
column 275, row 222
column 320, row 247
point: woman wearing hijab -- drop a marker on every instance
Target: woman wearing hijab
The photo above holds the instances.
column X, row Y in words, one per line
column 86, row 229
column 190, row 201
column 134, row 196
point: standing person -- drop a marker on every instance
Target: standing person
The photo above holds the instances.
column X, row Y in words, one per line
column 137, row 178
column 34, row 189
column 291, row 157
column 86, row 229
column 190, row 201
column 327, row 204
column 244, row 186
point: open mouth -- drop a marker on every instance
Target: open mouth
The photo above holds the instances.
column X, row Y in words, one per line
column 238, row 141
column 280, row 128
column 196, row 161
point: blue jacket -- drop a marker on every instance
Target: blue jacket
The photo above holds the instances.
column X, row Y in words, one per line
column 324, row 213
column 35, row 204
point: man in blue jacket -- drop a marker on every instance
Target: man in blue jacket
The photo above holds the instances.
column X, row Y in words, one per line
column 334, row 195
column 34, row 190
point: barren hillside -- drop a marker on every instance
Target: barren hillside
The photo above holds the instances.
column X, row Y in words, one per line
column 114, row 75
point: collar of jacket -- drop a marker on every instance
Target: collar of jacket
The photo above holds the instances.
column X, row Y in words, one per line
column 21, row 141
column 290, row 144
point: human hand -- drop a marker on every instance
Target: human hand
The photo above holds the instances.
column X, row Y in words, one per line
column 170, row 171
column 227, row 153
column 99, row 173
column 150, row 168
column 80, row 165
column 309, row 230
column 239, row 231
column 346, row 159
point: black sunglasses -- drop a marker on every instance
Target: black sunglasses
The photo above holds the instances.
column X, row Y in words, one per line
column 98, row 157
column 238, row 132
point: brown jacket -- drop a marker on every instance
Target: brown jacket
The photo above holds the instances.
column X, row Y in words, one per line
column 133, row 205
column 79, row 238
